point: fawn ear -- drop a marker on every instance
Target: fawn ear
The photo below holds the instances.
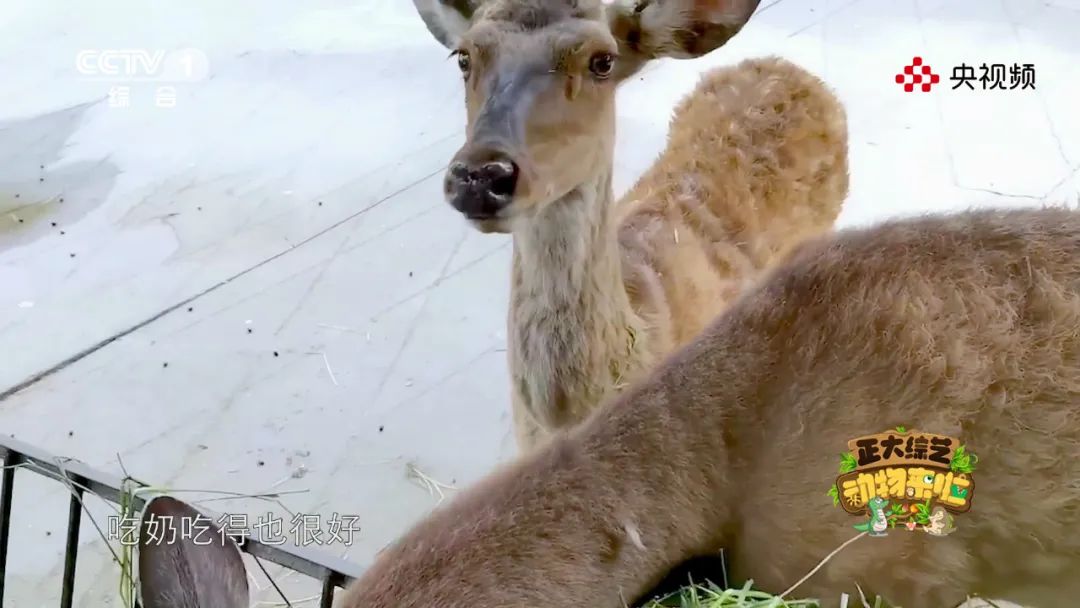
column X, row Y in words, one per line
column 447, row 20
column 185, row 561
column 682, row 29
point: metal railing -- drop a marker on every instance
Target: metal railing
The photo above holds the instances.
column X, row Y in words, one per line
column 332, row 572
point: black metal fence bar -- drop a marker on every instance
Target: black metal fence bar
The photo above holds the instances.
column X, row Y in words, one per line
column 327, row 597
column 332, row 572
column 7, row 487
column 71, row 548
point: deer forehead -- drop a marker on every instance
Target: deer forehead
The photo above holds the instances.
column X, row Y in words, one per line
column 537, row 14
column 491, row 40
column 561, row 22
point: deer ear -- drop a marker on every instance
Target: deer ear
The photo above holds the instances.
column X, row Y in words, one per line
column 682, row 29
column 185, row 561
column 447, row 20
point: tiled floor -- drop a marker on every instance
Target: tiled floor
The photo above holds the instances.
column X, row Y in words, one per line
column 260, row 289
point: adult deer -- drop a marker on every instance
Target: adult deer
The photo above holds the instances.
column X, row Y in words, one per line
column 756, row 161
column 965, row 325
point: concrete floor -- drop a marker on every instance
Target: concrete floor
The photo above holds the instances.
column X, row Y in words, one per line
column 260, row 288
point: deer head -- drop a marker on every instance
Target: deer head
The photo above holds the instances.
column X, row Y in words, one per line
column 540, row 78
column 185, row 561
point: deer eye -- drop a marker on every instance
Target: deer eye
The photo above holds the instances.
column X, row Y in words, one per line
column 464, row 62
column 601, row 64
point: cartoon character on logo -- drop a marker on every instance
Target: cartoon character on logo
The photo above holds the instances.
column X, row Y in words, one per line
column 941, row 523
column 878, row 523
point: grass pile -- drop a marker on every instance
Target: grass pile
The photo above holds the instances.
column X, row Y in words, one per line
column 713, row 596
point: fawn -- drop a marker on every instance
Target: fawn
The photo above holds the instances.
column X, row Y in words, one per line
column 963, row 324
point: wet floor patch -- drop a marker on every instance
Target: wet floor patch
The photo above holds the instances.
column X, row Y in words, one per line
column 20, row 215
column 40, row 194
column 30, row 212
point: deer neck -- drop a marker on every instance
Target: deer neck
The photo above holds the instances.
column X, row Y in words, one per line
column 574, row 336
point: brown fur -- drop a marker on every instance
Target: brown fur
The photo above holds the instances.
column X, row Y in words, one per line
column 964, row 324
column 756, row 161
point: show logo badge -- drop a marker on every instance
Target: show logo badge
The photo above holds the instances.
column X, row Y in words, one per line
column 905, row 478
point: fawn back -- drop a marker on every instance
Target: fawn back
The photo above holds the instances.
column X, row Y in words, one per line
column 966, row 325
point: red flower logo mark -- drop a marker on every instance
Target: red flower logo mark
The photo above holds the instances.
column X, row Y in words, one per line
column 917, row 74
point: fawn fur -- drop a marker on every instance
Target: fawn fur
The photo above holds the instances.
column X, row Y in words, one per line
column 965, row 324
column 756, row 161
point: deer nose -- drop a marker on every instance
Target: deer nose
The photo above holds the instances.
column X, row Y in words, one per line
column 481, row 190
